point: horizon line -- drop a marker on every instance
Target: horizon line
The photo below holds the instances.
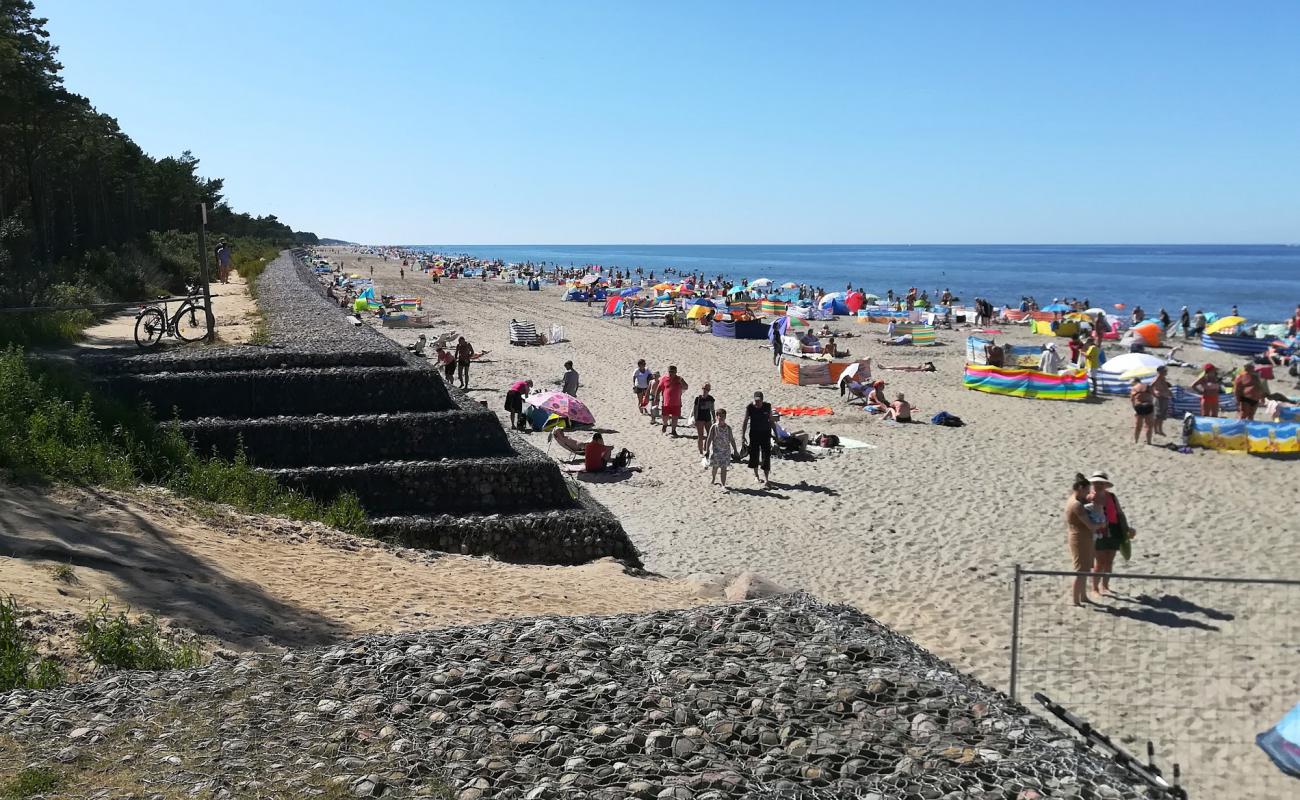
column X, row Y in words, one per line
column 841, row 244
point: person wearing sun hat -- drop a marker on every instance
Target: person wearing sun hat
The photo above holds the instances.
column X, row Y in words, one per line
column 1207, row 385
column 1116, row 531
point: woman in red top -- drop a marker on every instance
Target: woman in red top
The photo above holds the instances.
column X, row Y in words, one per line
column 671, row 387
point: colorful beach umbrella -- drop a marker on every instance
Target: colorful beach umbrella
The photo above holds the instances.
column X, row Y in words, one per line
column 761, row 282
column 1056, row 307
column 1224, row 323
column 736, row 290
column 789, row 285
column 590, row 279
column 565, row 405
column 663, row 287
column 630, row 291
column 703, row 301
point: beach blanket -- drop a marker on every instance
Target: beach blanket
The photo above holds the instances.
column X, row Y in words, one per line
column 804, row 411
column 1026, row 383
column 845, row 444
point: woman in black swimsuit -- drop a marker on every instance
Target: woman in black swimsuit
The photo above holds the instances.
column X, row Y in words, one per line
column 1144, row 408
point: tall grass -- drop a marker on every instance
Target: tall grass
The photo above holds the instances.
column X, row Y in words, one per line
column 53, row 426
column 114, row 641
column 20, row 666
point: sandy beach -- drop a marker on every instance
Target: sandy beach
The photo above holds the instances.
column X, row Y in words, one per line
column 922, row 528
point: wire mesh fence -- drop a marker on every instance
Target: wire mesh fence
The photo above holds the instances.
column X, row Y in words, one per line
column 1197, row 666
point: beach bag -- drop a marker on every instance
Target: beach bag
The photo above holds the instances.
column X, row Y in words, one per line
column 947, row 420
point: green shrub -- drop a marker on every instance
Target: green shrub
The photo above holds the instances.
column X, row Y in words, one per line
column 29, row 783
column 113, row 640
column 20, row 666
column 53, row 426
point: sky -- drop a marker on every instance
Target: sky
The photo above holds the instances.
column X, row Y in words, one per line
column 477, row 122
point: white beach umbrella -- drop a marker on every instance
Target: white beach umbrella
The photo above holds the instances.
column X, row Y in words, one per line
column 1131, row 361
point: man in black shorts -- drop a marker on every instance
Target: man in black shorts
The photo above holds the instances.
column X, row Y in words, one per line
column 757, row 430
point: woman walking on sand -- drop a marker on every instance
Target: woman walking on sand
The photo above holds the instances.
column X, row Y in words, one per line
column 1144, row 408
column 1113, row 536
column 703, row 413
column 720, row 444
column 1079, row 537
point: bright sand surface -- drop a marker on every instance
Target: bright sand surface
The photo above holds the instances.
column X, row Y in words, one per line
column 252, row 582
column 923, row 528
column 233, row 310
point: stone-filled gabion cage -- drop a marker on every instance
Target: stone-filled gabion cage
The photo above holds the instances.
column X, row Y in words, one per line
column 785, row 697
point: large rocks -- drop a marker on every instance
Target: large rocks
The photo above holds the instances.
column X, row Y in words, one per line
column 777, row 698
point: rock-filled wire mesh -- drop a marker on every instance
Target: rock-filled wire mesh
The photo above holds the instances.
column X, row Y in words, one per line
column 785, row 697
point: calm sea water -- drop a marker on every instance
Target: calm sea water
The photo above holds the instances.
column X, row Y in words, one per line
column 1262, row 280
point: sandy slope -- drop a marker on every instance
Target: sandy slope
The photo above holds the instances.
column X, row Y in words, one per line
column 252, row 582
column 923, row 529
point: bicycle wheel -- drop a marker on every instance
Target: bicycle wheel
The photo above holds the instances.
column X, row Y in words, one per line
column 150, row 327
column 191, row 322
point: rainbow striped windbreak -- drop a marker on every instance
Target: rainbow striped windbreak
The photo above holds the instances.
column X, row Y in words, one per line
column 1026, row 383
column 772, row 307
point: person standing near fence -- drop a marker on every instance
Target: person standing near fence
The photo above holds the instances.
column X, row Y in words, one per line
column 1079, row 537
column 1113, row 536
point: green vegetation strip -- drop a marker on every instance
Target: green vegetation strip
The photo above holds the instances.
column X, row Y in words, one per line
column 53, row 427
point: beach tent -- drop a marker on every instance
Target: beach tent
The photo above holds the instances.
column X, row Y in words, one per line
column 854, row 302
column 806, row 373
column 834, row 303
column 614, row 306
column 697, row 312
column 740, row 329
column 1149, row 332
column 1026, row 383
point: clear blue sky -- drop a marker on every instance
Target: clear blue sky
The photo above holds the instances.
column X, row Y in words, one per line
column 416, row 121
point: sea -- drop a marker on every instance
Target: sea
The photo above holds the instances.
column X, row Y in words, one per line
column 1263, row 281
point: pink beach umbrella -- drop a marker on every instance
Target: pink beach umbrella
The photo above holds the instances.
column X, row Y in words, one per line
column 564, row 405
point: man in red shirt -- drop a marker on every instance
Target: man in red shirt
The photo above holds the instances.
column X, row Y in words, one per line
column 671, row 387
column 595, row 455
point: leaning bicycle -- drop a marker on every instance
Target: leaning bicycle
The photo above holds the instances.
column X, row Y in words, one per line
column 189, row 323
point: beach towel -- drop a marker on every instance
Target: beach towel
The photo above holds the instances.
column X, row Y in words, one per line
column 804, row 411
column 845, row 444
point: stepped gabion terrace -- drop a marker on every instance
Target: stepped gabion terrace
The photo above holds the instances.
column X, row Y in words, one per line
column 779, row 698
column 331, row 406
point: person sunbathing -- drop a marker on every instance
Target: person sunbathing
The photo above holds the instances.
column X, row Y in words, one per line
column 876, row 400
column 794, row 442
column 904, row 339
column 926, row 367
column 900, row 410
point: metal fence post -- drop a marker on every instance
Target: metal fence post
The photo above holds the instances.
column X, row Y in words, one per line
column 1015, row 633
